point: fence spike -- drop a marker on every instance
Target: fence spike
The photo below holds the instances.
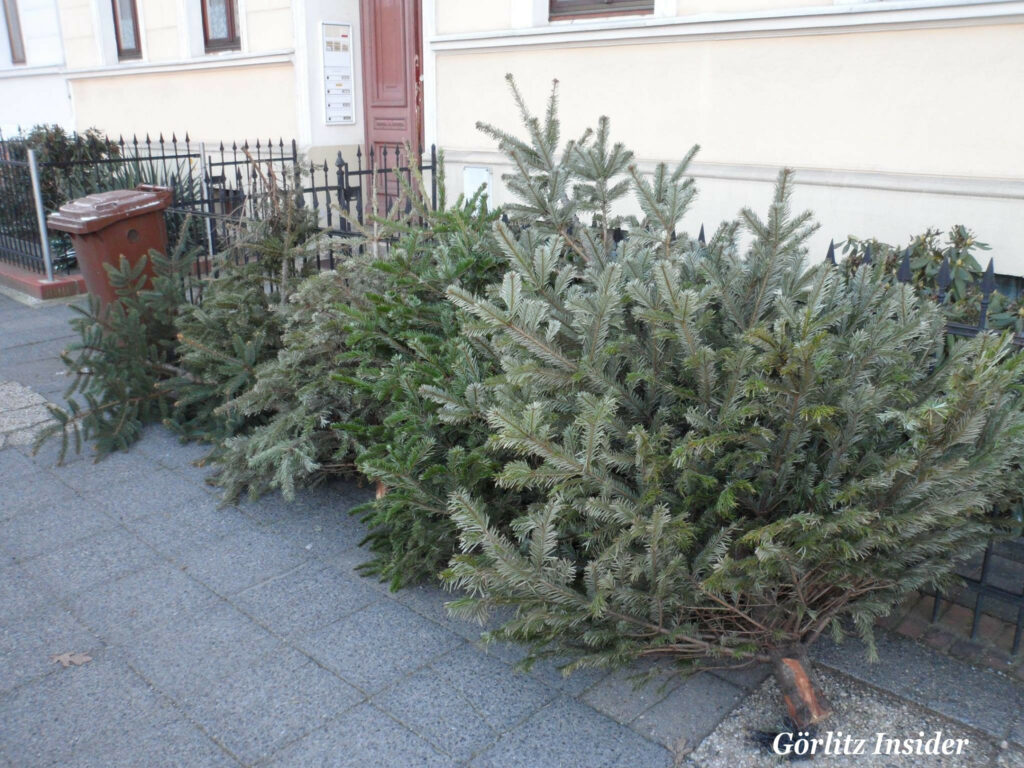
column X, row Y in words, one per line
column 988, row 286
column 700, row 237
column 943, row 279
column 867, row 254
column 830, row 255
column 186, row 137
column 904, row 274
column 988, row 281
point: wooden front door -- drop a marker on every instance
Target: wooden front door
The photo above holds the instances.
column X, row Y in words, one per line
column 391, row 76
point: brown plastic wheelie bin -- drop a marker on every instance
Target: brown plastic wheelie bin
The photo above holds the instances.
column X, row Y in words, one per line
column 108, row 225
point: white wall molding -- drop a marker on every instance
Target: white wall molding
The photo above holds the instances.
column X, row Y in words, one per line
column 960, row 186
column 811, row 20
column 190, row 30
column 13, row 74
column 428, row 75
column 221, row 61
column 105, row 35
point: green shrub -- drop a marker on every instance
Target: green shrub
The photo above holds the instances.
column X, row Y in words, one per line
column 962, row 302
column 731, row 452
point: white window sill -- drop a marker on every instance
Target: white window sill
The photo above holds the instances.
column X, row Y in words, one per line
column 207, row 61
column 802, row 20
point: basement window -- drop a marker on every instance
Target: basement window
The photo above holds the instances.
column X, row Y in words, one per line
column 572, row 9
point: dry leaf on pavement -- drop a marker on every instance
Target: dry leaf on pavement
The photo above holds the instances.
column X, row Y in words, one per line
column 67, row 659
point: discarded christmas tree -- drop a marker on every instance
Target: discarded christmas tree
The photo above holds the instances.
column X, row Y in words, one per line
column 732, row 452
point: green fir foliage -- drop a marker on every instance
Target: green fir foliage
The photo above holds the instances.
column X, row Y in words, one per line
column 730, row 452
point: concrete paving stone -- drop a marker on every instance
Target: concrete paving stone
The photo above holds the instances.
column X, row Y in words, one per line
column 21, row 595
column 324, row 534
column 33, row 418
column 501, row 695
column 549, row 671
column 183, row 655
column 15, row 396
column 565, row 733
column 362, row 737
column 174, row 744
column 52, row 526
column 38, row 332
column 335, row 497
column 159, row 490
column 30, row 488
column 84, row 563
column 250, row 556
column 28, row 646
column 51, row 720
column 125, row 468
column 622, row 696
column 188, row 526
column 432, row 709
column 1016, row 734
column 747, row 678
column 162, row 445
column 373, row 647
column 640, row 753
column 121, row 610
column 18, row 360
column 48, row 459
column 349, row 560
column 690, row 712
column 257, row 709
column 303, row 600
column 429, row 600
column 977, row 697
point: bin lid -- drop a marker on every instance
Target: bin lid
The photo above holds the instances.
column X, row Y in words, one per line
column 94, row 212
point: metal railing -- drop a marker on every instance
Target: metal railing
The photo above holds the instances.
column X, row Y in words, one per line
column 226, row 189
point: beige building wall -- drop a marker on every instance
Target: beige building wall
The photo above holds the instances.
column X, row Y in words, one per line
column 210, row 104
column 176, row 86
column 895, row 122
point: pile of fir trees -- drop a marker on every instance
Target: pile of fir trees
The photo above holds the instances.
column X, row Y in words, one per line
column 640, row 446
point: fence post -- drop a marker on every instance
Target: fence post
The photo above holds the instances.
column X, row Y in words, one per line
column 206, row 196
column 37, row 193
column 433, row 176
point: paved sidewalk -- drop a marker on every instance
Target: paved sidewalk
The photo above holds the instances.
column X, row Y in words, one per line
column 241, row 635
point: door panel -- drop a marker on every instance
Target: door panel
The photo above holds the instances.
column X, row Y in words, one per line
column 391, row 69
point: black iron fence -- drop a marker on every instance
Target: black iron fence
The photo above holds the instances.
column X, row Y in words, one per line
column 21, row 239
column 225, row 190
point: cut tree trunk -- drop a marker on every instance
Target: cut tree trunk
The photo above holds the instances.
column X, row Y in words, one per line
column 805, row 703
